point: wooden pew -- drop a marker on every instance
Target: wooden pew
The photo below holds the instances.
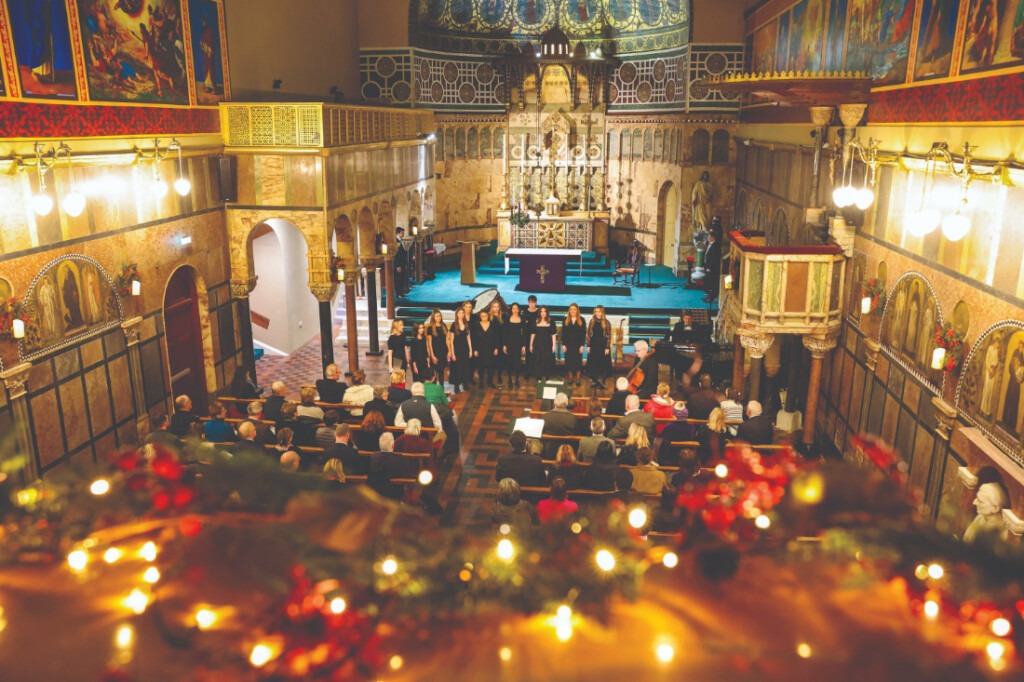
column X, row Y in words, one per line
column 541, row 492
column 426, row 430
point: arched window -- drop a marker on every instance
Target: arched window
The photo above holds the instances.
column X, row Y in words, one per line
column 460, row 143
column 485, row 143
column 720, row 148
column 659, row 145
column 472, row 144
column 700, row 148
column 449, row 143
column 740, row 219
column 613, row 144
column 498, row 144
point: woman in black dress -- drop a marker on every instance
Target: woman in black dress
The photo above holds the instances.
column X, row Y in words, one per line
column 419, row 356
column 514, row 343
column 497, row 311
column 486, row 345
column 542, row 345
column 599, row 358
column 460, row 351
column 574, row 337
column 396, row 346
column 437, row 335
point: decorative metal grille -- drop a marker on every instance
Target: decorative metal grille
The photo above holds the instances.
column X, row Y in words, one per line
column 553, row 234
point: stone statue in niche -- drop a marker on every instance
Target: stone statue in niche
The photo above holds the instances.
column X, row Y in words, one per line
column 989, row 501
column 700, row 201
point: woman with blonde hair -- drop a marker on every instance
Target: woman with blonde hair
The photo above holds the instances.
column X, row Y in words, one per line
column 359, row 393
column 599, row 341
column 567, row 468
column 636, row 438
column 437, row 343
column 460, row 350
column 574, row 338
column 712, row 437
column 334, row 470
column 308, row 409
column 397, row 351
column 660, row 406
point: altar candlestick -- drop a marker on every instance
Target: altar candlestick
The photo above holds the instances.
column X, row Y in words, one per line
column 522, row 160
column 504, row 157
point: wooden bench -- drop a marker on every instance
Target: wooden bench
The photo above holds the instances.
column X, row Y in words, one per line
column 535, row 491
column 425, row 430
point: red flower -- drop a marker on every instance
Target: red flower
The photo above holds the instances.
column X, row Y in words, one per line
column 167, row 467
column 183, row 496
column 128, row 460
column 161, row 500
column 190, row 525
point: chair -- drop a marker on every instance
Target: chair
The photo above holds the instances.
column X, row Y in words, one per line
column 628, row 271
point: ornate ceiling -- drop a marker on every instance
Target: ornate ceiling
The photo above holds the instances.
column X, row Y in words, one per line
column 502, row 26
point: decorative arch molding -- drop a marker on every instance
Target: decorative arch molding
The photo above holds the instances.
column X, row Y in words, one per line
column 989, row 394
column 72, row 298
column 908, row 323
column 206, row 331
column 778, row 230
column 312, row 224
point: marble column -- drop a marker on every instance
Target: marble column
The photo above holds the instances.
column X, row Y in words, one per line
column 371, row 305
column 819, row 346
column 737, row 362
column 418, row 255
column 389, row 265
column 16, row 382
column 325, row 297
column 130, row 327
column 351, row 324
column 756, row 343
column 240, row 293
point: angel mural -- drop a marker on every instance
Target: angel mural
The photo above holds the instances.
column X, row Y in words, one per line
column 909, row 326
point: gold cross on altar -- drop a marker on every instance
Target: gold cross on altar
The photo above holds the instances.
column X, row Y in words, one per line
column 543, row 272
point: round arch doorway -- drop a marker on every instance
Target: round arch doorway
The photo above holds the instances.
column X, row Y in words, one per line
column 668, row 225
column 183, row 327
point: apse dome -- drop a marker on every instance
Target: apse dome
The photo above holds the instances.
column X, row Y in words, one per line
column 502, row 26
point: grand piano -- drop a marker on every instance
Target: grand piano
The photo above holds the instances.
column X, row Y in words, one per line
column 690, row 349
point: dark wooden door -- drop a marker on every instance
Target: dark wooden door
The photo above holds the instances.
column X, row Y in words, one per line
column 185, row 340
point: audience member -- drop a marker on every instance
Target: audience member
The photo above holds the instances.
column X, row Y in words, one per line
column 525, row 468
column 679, row 430
column 325, row 432
column 433, row 391
column 648, row 479
column 731, row 406
column 660, row 406
column 273, row 405
column 588, row 445
column 758, row 429
column 703, row 400
column 331, row 389
column 624, row 487
column 567, row 468
column 290, row 460
column 242, row 385
column 160, row 435
column 183, row 417
column 636, row 438
column 381, row 404
column 334, row 470
column 342, row 450
column 617, row 403
column 689, row 466
column 510, row 508
column 216, row 429
column 632, row 416
column 648, row 364
column 358, row 394
column 303, row 432
column 264, row 432
column 370, row 430
column 285, row 443
column 397, row 392
column 386, row 465
column 246, row 444
column 308, row 409
column 712, row 437
column 417, row 407
column 558, row 421
column 583, row 423
column 601, row 474
column 412, row 441
column 557, row 506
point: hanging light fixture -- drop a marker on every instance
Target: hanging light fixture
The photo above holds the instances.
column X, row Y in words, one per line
column 182, row 185
column 42, row 203
column 864, row 196
column 74, row 201
column 925, row 219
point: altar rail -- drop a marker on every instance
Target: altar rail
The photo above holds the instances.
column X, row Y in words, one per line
column 788, row 289
column 318, row 125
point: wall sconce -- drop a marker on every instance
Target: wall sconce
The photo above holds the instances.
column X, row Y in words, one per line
column 182, row 185
column 728, row 281
column 384, row 249
column 74, row 201
column 341, row 274
column 926, row 219
column 415, row 230
column 865, row 305
column 848, row 195
column 938, row 358
column 18, row 328
column 42, row 203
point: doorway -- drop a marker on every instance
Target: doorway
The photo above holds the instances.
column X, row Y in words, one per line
column 668, row 225
column 185, row 339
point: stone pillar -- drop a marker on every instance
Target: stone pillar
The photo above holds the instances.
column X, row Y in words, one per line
column 240, row 293
column 130, row 328
column 389, row 266
column 351, row 324
column 820, row 117
column 16, row 382
column 737, row 362
column 756, row 343
column 819, row 346
column 371, row 305
column 418, row 255
column 325, row 297
column 945, row 418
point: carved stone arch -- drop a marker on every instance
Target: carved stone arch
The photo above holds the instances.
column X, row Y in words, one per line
column 497, row 143
column 700, row 148
column 473, row 143
column 741, row 209
column 345, row 239
column 659, row 145
column 648, row 144
column 778, row 230
column 720, row 147
column 203, row 310
column 638, row 144
column 416, row 207
column 613, row 144
column 486, row 151
column 449, row 142
column 386, row 222
column 759, row 217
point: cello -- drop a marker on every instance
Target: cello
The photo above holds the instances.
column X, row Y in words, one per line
column 636, row 375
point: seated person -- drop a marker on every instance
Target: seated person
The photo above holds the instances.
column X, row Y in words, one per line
column 334, row 470
column 264, row 432
column 325, row 432
column 712, row 437
column 387, row 465
column 567, row 468
column 331, row 389
column 758, row 429
column 584, row 424
column 510, row 508
column 660, row 406
column 217, row 430
column 558, row 505
column 160, row 435
column 648, row 479
column 397, row 392
column 731, row 406
column 601, row 474
column 632, row 416
column 272, row 407
column 588, row 445
column 624, row 487
column 382, row 404
column 368, row 435
column 684, row 330
column 635, row 440
column 679, row 430
column 303, row 432
column 341, row 450
column 617, row 403
column 290, row 460
column 247, row 444
column 703, row 400
column 558, row 421
column 285, row 445
column 413, row 441
column 242, row 386
column 183, row 417
column 359, row 393
column 519, row 464
column 307, row 409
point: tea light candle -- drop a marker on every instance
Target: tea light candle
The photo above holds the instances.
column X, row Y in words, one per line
column 865, row 305
column 938, row 358
column 384, row 249
column 136, row 287
column 18, row 326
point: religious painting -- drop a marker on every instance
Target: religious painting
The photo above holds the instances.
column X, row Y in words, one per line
column 991, row 383
column 71, row 298
column 935, row 40
column 762, row 59
column 782, row 45
column 858, row 267
column 42, row 48
column 878, row 38
column 836, row 38
column 493, row 11
column 807, row 36
column 676, row 9
column 134, row 50
column 461, row 11
column 908, row 326
column 208, row 54
column 532, row 12
column 6, row 291
column 620, row 10
column 432, row 10
column 650, row 11
column 993, row 35
column 581, row 12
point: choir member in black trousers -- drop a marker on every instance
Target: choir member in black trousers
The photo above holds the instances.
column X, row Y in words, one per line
column 574, row 337
column 514, row 344
column 486, row 346
column 419, row 354
column 460, row 351
column 437, row 334
column 542, row 346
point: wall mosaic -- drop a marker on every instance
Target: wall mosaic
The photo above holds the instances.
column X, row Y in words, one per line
column 453, row 83
column 908, row 326
column 712, row 60
column 991, row 382
column 658, row 81
column 73, row 297
column 386, row 75
column 500, row 26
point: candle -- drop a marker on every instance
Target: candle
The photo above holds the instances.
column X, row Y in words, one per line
column 938, row 358
column 522, row 160
column 583, row 159
column 415, row 230
column 136, row 287
column 504, row 157
column 341, row 274
column 384, row 249
column 865, row 305
column 18, row 326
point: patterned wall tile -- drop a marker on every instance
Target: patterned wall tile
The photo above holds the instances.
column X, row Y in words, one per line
column 121, row 387
column 49, row 440
column 75, row 416
column 98, row 391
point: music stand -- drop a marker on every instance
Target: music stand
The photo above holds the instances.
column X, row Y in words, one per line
column 649, row 261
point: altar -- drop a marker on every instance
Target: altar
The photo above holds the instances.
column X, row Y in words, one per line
column 543, row 269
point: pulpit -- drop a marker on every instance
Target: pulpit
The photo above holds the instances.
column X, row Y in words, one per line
column 468, row 262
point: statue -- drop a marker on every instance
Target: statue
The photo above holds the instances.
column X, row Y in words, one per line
column 989, row 502
column 700, row 201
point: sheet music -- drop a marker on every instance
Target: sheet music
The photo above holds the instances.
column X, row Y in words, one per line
column 533, row 428
column 549, row 393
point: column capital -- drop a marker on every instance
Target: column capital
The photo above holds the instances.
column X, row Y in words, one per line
column 131, row 330
column 820, row 346
column 945, row 417
column 325, row 292
column 871, row 350
column 16, row 380
column 757, row 343
column 242, row 288
column 351, row 277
